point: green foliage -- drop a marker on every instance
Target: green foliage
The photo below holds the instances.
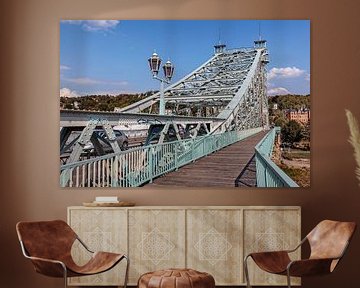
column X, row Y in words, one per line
column 68, row 106
column 290, row 101
column 279, row 118
column 296, row 154
column 291, row 132
column 300, row 175
column 284, row 102
column 306, row 132
column 280, row 122
column 101, row 102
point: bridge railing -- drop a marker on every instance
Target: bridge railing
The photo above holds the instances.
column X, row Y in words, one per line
column 268, row 174
column 137, row 166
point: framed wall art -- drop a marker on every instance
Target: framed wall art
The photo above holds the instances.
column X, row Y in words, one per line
column 185, row 103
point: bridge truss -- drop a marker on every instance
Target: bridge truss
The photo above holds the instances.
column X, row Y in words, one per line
column 230, row 86
column 226, row 93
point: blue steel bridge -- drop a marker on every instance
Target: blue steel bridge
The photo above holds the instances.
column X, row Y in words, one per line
column 215, row 132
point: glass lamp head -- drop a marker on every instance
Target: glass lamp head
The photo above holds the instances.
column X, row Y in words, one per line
column 154, row 63
column 168, row 70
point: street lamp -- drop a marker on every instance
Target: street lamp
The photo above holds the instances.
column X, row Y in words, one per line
column 154, row 63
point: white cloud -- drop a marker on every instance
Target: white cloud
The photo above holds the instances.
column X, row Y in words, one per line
column 66, row 92
column 89, row 81
column 78, row 22
column 117, row 83
column 100, row 25
column 64, row 67
column 94, row 25
column 307, row 77
column 83, row 81
column 278, row 91
column 286, row 72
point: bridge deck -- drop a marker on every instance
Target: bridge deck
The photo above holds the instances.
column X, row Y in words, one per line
column 221, row 168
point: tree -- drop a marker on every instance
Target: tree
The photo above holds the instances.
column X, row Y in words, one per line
column 278, row 118
column 280, row 122
column 291, row 132
column 68, row 106
column 290, row 101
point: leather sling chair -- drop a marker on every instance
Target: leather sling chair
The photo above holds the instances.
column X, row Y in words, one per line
column 48, row 245
column 328, row 242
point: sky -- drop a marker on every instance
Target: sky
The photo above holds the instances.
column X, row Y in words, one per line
column 110, row 56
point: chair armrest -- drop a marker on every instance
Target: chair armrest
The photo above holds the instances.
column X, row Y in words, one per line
column 309, row 267
column 271, row 261
column 268, row 253
column 281, row 251
column 49, row 267
column 84, row 245
column 298, row 246
column 46, row 260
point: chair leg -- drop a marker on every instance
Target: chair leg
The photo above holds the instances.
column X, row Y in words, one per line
column 288, row 278
column 126, row 271
column 246, row 270
column 65, row 276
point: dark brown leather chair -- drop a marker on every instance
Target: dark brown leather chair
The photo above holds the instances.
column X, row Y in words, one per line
column 48, row 245
column 328, row 242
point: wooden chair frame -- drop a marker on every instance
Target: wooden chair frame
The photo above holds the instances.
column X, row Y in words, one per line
column 315, row 263
column 63, row 265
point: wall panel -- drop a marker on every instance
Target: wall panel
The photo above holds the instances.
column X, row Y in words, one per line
column 29, row 115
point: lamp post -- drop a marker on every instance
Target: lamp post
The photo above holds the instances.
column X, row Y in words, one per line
column 154, row 63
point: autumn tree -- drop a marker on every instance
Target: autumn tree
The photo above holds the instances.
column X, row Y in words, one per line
column 292, row 132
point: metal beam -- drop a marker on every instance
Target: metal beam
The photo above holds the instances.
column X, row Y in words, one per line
column 231, row 110
column 225, row 97
column 234, row 89
column 147, row 102
column 207, row 87
column 75, row 118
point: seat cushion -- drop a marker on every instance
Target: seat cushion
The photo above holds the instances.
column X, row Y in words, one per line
column 176, row 278
column 99, row 262
column 272, row 262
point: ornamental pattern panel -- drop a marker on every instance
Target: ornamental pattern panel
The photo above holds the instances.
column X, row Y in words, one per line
column 101, row 230
column 210, row 239
column 270, row 230
column 214, row 244
column 156, row 246
column 156, row 240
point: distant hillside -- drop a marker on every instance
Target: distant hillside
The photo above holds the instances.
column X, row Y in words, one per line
column 290, row 101
column 101, row 102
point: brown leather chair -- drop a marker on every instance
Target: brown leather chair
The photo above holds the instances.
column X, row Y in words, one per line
column 328, row 242
column 48, row 245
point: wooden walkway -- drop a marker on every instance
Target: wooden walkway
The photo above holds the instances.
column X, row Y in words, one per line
column 222, row 168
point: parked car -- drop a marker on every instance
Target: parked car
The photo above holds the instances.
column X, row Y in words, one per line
column 121, row 139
